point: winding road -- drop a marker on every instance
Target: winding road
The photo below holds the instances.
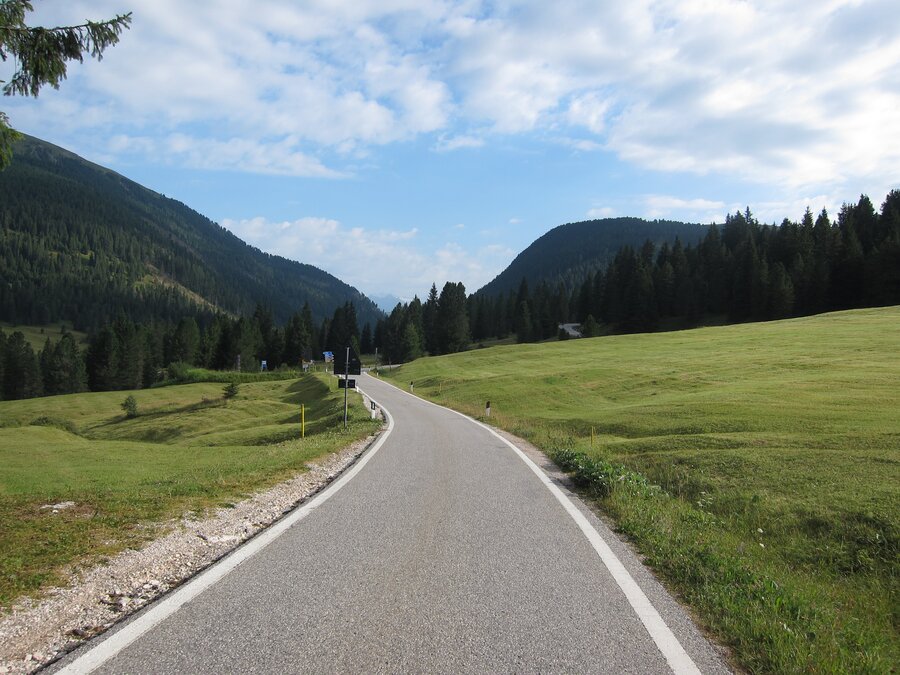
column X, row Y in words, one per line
column 443, row 549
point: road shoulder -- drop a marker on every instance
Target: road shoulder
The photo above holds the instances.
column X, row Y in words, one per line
column 709, row 656
column 37, row 632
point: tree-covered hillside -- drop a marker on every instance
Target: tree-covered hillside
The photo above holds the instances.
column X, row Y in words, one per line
column 568, row 253
column 743, row 270
column 83, row 243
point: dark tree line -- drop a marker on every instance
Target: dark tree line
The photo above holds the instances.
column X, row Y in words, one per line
column 439, row 326
column 531, row 316
column 58, row 368
column 740, row 271
column 129, row 355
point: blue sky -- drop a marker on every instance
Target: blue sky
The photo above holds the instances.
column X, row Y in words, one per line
column 396, row 143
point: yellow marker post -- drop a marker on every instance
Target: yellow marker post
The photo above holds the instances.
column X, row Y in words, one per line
column 302, row 421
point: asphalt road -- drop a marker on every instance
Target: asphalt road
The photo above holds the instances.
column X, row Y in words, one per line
column 445, row 552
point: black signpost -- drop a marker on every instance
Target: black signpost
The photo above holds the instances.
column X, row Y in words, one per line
column 348, row 362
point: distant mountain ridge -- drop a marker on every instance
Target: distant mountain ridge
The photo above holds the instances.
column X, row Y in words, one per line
column 386, row 302
column 568, row 253
column 81, row 242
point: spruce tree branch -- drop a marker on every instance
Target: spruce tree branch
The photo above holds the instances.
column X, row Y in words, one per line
column 123, row 19
column 43, row 52
column 41, row 55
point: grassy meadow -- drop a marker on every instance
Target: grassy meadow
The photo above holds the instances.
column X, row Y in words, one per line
column 187, row 450
column 756, row 466
column 37, row 336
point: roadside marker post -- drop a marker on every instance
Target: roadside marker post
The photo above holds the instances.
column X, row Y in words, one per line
column 346, row 377
column 487, row 409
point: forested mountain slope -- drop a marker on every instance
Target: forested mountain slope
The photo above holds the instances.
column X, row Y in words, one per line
column 81, row 242
column 568, row 253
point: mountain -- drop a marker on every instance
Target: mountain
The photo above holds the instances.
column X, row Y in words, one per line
column 80, row 242
column 386, row 302
column 567, row 253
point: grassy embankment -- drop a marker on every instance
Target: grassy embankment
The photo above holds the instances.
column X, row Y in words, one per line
column 756, row 466
column 37, row 336
column 187, row 450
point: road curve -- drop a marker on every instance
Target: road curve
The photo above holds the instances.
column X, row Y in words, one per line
column 441, row 551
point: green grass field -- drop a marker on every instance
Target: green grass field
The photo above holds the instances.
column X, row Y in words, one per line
column 186, row 451
column 37, row 336
column 757, row 467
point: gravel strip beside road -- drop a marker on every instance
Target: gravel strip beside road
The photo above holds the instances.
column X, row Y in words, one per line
column 36, row 632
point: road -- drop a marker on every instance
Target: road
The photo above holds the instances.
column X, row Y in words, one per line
column 441, row 551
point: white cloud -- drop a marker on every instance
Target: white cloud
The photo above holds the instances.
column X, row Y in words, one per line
column 802, row 96
column 276, row 158
column 711, row 210
column 373, row 261
column 601, row 212
column 581, row 144
column 692, row 210
column 448, row 143
column 589, row 111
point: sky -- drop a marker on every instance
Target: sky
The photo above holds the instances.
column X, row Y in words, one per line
column 400, row 143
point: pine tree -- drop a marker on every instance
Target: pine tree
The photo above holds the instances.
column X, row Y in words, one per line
column 585, row 298
column 209, row 343
column 429, row 321
column 641, row 313
column 781, row 293
column 62, row 367
column 365, row 340
column 186, row 341
column 129, row 366
column 21, row 370
column 561, row 305
column 41, row 55
column 590, row 327
column 411, row 343
column 453, row 319
column 524, row 328
column 102, row 357
column 248, row 341
column 2, row 362
column 313, row 345
column 743, row 274
column 296, row 341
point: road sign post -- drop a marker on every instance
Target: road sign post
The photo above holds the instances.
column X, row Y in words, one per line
column 346, row 373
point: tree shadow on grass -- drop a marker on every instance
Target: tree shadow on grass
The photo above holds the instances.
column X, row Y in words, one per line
column 160, row 413
column 311, row 392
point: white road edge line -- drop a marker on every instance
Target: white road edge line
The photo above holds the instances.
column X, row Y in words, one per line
column 678, row 659
column 107, row 649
